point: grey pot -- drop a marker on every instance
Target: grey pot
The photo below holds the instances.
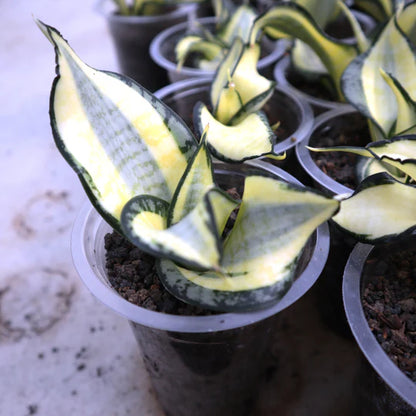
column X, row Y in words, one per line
column 383, row 389
column 199, row 365
column 132, row 36
column 162, row 51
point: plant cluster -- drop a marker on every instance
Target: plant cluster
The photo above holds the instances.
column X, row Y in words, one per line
column 154, row 182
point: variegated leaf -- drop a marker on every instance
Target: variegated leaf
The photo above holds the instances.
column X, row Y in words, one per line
column 380, row 10
column 193, row 241
column 119, row 138
column 380, row 209
column 291, row 20
column 251, row 138
column 364, row 85
column 260, row 255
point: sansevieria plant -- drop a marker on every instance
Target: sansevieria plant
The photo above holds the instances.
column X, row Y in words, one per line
column 154, row 183
column 146, row 7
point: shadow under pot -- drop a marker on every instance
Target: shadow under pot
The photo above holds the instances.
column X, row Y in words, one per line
column 334, row 173
column 132, row 36
column 199, row 365
column 293, row 114
column 379, row 297
column 315, row 91
column 162, row 51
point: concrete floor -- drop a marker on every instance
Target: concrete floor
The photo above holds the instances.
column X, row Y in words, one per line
column 59, row 347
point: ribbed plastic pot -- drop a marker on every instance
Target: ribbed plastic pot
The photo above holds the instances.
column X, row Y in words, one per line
column 199, row 365
column 383, row 389
column 132, row 36
column 162, row 51
column 293, row 113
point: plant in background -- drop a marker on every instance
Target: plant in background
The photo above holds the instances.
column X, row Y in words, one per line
column 238, row 129
column 146, row 7
column 151, row 181
column 380, row 10
column 289, row 19
column 209, row 48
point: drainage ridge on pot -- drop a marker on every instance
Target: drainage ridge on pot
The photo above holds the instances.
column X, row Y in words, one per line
column 198, row 365
column 162, row 51
column 374, row 353
column 132, row 36
column 297, row 119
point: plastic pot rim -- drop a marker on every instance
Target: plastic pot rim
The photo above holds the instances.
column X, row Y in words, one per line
column 305, row 159
column 165, row 35
column 304, row 109
column 192, row 324
column 372, row 350
column 110, row 13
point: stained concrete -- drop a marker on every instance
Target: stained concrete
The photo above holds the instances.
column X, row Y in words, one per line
column 60, row 349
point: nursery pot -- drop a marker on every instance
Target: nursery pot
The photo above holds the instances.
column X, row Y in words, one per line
column 162, row 51
column 199, row 365
column 132, row 36
column 383, row 389
column 344, row 126
column 329, row 129
column 293, row 113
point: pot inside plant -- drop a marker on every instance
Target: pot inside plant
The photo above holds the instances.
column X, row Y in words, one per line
column 379, row 297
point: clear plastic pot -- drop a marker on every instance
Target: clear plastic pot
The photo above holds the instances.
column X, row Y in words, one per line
column 199, row 365
column 383, row 389
column 162, row 51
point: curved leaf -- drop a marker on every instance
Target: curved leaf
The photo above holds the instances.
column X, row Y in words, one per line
column 289, row 19
column 380, row 209
column 364, row 86
column 251, row 138
column 118, row 137
column 193, row 241
column 260, row 254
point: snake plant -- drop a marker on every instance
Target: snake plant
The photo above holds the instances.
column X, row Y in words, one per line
column 380, row 82
column 383, row 205
column 154, row 183
column 208, row 48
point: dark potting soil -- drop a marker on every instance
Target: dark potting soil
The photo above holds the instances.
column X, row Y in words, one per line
column 132, row 273
column 340, row 166
column 389, row 302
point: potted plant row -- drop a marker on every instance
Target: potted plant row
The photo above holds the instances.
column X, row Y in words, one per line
column 195, row 48
column 242, row 240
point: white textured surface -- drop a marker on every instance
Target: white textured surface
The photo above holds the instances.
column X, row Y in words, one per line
column 61, row 351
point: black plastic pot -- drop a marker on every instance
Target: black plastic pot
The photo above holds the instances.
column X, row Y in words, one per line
column 132, row 36
column 205, row 365
column 382, row 388
column 162, row 51
column 293, row 113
